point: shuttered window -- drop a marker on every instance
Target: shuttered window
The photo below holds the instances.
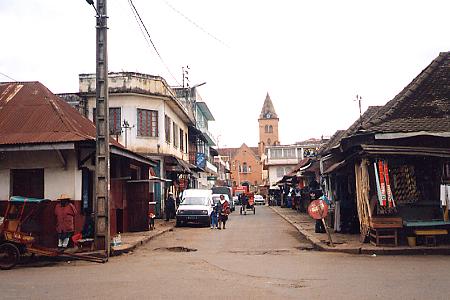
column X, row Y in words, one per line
column 147, row 122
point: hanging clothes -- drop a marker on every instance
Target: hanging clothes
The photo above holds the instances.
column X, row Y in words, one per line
column 445, row 195
column 337, row 216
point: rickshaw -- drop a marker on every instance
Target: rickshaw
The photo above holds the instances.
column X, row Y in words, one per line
column 15, row 241
column 248, row 203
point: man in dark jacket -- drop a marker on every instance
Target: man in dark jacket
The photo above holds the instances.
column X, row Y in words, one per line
column 170, row 207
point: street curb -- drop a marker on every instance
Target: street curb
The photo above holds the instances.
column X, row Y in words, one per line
column 318, row 245
column 140, row 243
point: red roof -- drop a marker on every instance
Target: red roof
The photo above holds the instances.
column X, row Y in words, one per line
column 30, row 113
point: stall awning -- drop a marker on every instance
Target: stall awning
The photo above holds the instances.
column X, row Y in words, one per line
column 174, row 164
column 402, row 150
column 151, row 179
column 334, row 167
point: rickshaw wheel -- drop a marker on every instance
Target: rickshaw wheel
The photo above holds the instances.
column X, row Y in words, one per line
column 9, row 256
column 240, row 211
column 254, row 210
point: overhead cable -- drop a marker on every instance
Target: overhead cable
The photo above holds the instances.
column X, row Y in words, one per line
column 147, row 36
column 9, row 77
column 195, row 24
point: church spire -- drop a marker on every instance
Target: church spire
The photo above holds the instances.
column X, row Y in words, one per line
column 268, row 110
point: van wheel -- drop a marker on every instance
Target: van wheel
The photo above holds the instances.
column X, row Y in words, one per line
column 178, row 224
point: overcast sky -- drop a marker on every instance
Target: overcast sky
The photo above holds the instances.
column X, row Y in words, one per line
column 312, row 57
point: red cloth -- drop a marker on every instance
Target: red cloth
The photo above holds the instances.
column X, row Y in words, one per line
column 226, row 208
column 65, row 217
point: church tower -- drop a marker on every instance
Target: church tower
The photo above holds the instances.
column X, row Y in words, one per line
column 268, row 126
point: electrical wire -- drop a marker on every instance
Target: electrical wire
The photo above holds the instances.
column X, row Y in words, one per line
column 7, row 76
column 194, row 23
column 147, row 37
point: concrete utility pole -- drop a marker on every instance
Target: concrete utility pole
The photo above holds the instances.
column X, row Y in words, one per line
column 101, row 204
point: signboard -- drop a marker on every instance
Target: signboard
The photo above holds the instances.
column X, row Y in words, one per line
column 211, row 178
column 201, row 160
column 318, row 209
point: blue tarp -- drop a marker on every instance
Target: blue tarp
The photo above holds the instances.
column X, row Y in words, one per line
column 20, row 199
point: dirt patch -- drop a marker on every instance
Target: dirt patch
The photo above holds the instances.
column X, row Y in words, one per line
column 176, row 249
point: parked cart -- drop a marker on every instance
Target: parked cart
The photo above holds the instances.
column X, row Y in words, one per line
column 15, row 242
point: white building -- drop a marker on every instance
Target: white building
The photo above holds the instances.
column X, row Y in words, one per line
column 146, row 116
column 281, row 159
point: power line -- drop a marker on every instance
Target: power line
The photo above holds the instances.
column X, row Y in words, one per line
column 147, row 36
column 195, row 24
column 7, row 76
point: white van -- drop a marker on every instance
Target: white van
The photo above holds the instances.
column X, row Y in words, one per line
column 196, row 206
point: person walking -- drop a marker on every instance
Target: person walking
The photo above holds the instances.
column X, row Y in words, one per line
column 224, row 211
column 214, row 217
column 170, row 207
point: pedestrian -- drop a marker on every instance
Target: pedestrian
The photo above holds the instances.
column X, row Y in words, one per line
column 65, row 220
column 170, row 207
column 214, row 217
column 224, row 211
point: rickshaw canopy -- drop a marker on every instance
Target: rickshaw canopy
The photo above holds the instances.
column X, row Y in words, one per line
column 22, row 200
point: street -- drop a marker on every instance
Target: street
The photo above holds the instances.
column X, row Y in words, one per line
column 258, row 256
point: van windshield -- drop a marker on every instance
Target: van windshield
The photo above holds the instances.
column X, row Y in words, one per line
column 195, row 201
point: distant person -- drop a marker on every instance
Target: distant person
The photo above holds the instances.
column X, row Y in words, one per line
column 214, row 217
column 170, row 207
column 244, row 201
column 224, row 211
column 65, row 213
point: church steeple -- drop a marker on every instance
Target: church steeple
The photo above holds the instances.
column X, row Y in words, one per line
column 268, row 126
column 268, row 110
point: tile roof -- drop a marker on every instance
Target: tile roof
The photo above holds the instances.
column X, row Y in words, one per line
column 232, row 151
column 332, row 142
column 30, row 113
column 357, row 127
column 361, row 124
column 423, row 105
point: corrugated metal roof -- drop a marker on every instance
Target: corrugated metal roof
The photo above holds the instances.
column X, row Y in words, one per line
column 30, row 113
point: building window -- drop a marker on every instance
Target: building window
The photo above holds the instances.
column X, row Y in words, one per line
column 249, row 169
column 147, row 122
column 186, row 141
column 280, row 172
column 167, row 125
column 289, row 153
column 175, row 135
column 276, row 153
column 27, row 182
column 114, row 120
column 270, row 129
column 181, row 140
column 268, row 142
column 245, row 168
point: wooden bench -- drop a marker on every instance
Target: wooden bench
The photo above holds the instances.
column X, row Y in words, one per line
column 384, row 230
column 430, row 235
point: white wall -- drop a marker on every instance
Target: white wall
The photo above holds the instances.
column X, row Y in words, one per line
column 129, row 105
column 4, row 184
column 57, row 180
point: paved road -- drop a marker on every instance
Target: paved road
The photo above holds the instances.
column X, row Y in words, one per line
column 257, row 257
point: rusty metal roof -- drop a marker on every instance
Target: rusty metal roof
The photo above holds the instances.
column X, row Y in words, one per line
column 30, row 113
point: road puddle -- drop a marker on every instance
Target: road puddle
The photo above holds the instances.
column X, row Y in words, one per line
column 175, row 249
